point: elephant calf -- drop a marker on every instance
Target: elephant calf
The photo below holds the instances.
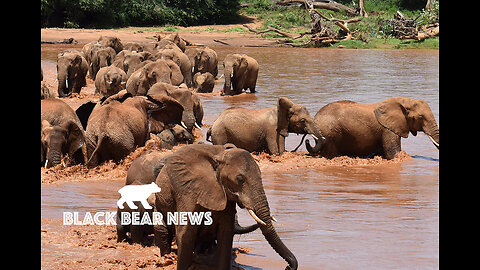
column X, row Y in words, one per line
column 356, row 129
column 110, row 80
column 203, row 82
column 241, row 72
column 72, row 69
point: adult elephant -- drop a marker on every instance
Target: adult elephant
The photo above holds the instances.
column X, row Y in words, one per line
column 71, row 72
column 257, row 130
column 203, row 60
column 356, row 129
column 241, row 72
column 129, row 61
column 159, row 71
column 124, row 122
column 110, row 80
column 192, row 107
column 102, row 57
column 61, row 133
column 143, row 171
column 182, row 61
column 113, row 42
column 213, row 178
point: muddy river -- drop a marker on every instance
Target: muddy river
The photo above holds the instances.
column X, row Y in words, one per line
column 335, row 217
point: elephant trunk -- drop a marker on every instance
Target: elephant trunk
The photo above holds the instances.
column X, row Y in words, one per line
column 433, row 133
column 64, row 85
column 228, row 81
column 53, row 158
column 262, row 212
column 319, row 140
column 188, row 119
column 238, row 229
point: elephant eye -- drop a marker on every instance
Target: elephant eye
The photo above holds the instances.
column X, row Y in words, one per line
column 240, row 179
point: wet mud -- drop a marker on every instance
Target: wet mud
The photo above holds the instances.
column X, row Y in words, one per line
column 340, row 213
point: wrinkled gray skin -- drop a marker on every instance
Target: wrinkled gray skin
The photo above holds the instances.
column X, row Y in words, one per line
column 61, row 133
column 102, row 57
column 175, row 135
column 110, row 80
column 364, row 130
column 215, row 178
column 159, row 71
column 193, row 109
column 258, row 130
column 130, row 61
column 203, row 82
column 123, row 122
column 143, row 171
column 203, row 60
column 71, row 72
column 241, row 72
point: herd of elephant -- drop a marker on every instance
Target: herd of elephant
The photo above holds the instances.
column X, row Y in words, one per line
column 148, row 92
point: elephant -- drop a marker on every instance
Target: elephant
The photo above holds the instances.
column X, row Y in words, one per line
column 45, row 92
column 159, row 71
column 71, row 72
column 241, row 72
column 102, row 57
column 257, row 130
column 173, row 38
column 144, row 170
column 212, row 178
column 355, row 129
column 110, row 80
column 181, row 59
column 61, row 133
column 192, row 107
column 203, row 60
column 113, row 42
column 203, row 82
column 130, row 61
column 124, row 122
column 133, row 47
column 175, row 135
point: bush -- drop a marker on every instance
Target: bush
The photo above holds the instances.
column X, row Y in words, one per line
column 118, row 13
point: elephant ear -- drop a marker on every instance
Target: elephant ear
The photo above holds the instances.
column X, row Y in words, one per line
column 75, row 137
column 193, row 174
column 392, row 115
column 163, row 110
column 283, row 109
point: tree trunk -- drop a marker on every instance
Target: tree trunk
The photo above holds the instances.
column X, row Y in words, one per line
column 363, row 13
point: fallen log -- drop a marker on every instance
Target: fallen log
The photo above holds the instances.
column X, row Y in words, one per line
column 269, row 28
column 330, row 5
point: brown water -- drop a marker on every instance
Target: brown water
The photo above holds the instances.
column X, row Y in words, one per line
column 353, row 217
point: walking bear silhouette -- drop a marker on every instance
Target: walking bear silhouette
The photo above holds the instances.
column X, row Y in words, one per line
column 131, row 193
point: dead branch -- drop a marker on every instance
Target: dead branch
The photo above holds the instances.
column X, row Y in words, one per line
column 267, row 30
column 221, row 42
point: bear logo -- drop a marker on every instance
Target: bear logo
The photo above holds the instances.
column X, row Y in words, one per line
column 131, row 193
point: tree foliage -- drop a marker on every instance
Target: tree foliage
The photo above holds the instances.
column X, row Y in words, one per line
column 117, row 13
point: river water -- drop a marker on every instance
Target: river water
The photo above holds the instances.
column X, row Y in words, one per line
column 351, row 217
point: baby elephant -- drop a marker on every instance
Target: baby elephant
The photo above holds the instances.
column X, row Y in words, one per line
column 110, row 80
column 241, row 72
column 203, row 82
column 173, row 136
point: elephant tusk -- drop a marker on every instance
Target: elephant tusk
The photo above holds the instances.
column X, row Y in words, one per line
column 315, row 137
column 46, row 162
column 221, row 76
column 433, row 141
column 66, row 83
column 122, row 83
column 250, row 211
column 274, row 219
column 196, row 125
column 183, row 124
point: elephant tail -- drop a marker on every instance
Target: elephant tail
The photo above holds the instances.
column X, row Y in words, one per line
column 209, row 134
column 99, row 143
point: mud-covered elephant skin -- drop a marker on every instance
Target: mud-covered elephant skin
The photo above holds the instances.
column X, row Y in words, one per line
column 212, row 178
column 182, row 61
column 355, row 129
column 102, row 57
column 72, row 70
column 158, row 71
column 258, row 130
column 129, row 61
column 192, row 107
column 61, row 133
column 110, row 80
column 114, row 42
column 241, row 72
column 203, row 82
column 203, row 60
column 124, row 122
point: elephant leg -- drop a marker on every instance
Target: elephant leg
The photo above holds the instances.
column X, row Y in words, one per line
column 186, row 238
column 225, row 239
column 137, row 233
column 163, row 238
column 121, row 229
column 391, row 143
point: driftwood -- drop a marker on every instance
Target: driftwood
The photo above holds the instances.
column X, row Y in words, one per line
column 65, row 41
column 326, row 4
column 267, row 30
column 403, row 28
